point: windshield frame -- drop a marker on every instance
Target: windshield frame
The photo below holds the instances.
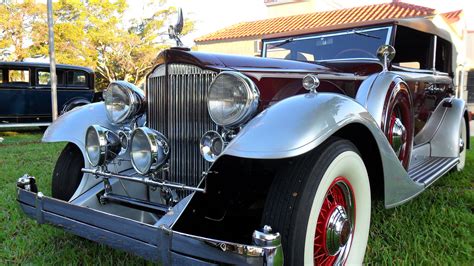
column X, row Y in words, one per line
column 340, row 32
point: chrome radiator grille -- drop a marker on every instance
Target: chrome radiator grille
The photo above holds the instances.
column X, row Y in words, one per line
column 177, row 107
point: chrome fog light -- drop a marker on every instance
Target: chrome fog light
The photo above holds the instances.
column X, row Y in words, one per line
column 149, row 150
column 211, row 145
column 102, row 145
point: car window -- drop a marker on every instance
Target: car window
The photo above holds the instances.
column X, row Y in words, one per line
column 443, row 55
column 44, row 77
column 413, row 54
column 77, row 78
column 19, row 76
column 346, row 44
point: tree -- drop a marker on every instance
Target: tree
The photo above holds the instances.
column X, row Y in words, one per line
column 94, row 34
column 16, row 25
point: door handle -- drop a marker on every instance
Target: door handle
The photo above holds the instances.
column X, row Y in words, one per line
column 433, row 89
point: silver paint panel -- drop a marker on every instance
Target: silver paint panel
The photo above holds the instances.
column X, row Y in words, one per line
column 445, row 142
column 300, row 123
column 442, row 129
column 72, row 126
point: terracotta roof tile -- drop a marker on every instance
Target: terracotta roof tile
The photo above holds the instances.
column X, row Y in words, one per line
column 453, row 16
column 321, row 19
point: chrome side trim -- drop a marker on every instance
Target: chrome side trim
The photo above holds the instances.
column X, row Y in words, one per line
column 300, row 123
column 259, row 73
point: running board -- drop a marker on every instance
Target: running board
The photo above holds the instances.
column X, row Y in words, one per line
column 430, row 169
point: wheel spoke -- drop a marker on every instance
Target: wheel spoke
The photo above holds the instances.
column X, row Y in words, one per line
column 337, row 199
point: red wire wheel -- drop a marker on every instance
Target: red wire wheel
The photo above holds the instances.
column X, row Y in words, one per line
column 398, row 122
column 335, row 225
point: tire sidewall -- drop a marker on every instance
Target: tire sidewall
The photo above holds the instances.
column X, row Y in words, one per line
column 349, row 165
column 462, row 155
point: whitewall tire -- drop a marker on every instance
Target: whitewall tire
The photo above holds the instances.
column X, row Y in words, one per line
column 321, row 205
column 462, row 150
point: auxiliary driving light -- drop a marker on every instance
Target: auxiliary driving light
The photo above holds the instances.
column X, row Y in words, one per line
column 149, row 150
column 102, row 145
column 211, row 145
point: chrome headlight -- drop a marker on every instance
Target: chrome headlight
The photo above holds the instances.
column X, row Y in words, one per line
column 123, row 101
column 102, row 145
column 233, row 99
column 149, row 150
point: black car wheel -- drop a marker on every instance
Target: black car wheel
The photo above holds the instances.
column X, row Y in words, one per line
column 312, row 204
column 67, row 173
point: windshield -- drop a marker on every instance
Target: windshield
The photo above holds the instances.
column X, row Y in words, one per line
column 347, row 44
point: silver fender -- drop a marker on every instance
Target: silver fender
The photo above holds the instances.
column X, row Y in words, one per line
column 441, row 129
column 300, row 123
column 373, row 92
column 72, row 126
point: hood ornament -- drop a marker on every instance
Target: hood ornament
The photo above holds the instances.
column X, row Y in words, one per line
column 174, row 31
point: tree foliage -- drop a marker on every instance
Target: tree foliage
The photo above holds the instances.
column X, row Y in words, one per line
column 94, row 33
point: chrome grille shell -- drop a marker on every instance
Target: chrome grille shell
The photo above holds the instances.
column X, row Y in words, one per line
column 177, row 107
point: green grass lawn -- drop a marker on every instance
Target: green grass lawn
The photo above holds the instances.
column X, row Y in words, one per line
column 435, row 228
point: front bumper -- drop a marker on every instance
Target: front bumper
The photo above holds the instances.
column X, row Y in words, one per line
column 154, row 243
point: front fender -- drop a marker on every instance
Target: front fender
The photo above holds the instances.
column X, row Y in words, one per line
column 300, row 123
column 297, row 125
column 72, row 126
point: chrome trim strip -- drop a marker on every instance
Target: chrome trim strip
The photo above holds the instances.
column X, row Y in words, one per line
column 414, row 70
column 278, row 73
column 142, row 180
column 8, row 125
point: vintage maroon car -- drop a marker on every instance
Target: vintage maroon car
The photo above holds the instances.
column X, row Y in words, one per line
column 242, row 160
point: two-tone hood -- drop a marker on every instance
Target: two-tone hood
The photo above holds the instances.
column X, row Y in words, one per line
column 219, row 62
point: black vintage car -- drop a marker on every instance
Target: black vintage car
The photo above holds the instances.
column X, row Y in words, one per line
column 25, row 92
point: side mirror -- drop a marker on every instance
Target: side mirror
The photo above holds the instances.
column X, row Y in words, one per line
column 174, row 31
column 385, row 54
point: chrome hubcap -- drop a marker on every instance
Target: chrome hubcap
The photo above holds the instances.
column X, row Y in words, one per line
column 335, row 225
column 338, row 230
column 461, row 145
column 398, row 135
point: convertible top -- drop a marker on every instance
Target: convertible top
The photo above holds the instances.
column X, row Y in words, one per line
column 424, row 24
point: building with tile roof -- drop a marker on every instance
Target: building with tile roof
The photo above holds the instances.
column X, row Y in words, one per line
column 243, row 38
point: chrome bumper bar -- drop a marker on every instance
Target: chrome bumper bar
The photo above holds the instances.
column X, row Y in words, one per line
column 154, row 243
column 143, row 180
